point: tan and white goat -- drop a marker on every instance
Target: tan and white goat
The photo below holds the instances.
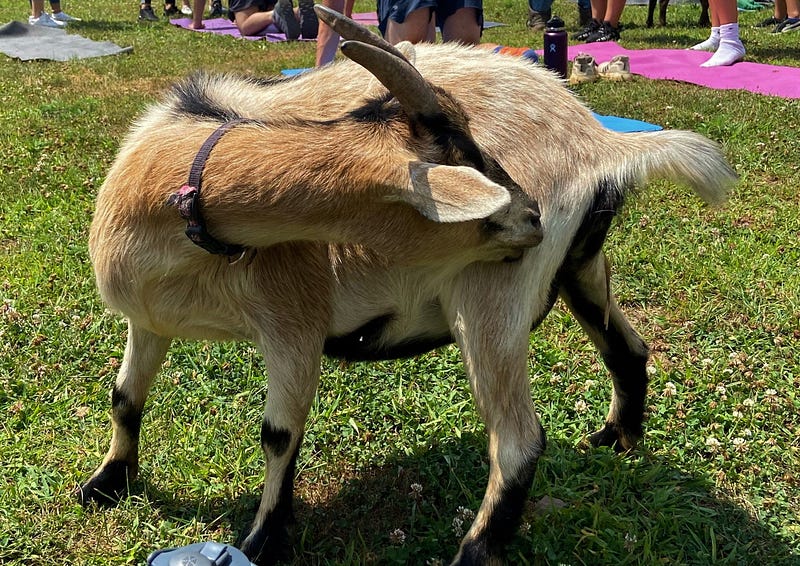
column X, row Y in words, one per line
column 338, row 189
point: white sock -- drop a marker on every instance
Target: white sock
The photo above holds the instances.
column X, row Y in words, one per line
column 710, row 44
column 730, row 48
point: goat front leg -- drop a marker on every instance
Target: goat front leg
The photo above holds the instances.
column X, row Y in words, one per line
column 293, row 380
column 492, row 330
column 143, row 356
column 586, row 291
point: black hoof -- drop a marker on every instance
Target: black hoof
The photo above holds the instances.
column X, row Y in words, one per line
column 610, row 436
column 269, row 547
column 107, row 487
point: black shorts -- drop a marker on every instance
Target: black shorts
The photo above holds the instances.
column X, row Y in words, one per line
column 239, row 5
column 398, row 10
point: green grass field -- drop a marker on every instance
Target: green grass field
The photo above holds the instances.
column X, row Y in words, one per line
column 397, row 448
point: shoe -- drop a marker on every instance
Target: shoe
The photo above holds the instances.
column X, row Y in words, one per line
column 146, row 14
column 606, row 33
column 617, row 69
column 186, row 10
column 309, row 24
column 791, row 24
column 537, row 21
column 770, row 22
column 45, row 21
column 64, row 17
column 171, row 10
column 285, row 20
column 588, row 30
column 584, row 16
column 584, row 69
column 216, row 9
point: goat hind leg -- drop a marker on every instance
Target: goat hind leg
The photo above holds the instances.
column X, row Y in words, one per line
column 144, row 353
column 586, row 291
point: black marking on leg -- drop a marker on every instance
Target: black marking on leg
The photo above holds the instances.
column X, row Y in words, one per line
column 126, row 414
column 270, row 544
column 108, row 486
column 504, row 519
column 276, row 439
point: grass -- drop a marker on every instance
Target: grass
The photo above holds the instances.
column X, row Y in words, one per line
column 397, row 446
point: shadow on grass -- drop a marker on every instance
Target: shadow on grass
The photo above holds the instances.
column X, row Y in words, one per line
column 616, row 510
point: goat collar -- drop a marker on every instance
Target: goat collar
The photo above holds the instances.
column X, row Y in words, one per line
column 187, row 198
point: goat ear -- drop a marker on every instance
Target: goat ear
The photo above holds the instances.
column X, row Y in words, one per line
column 444, row 193
column 408, row 51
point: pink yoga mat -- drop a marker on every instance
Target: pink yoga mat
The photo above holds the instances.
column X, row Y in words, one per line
column 684, row 65
column 223, row 26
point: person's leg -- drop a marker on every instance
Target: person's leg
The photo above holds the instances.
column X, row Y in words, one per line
column 416, row 28
column 37, row 7
column 613, row 13
column 539, row 12
column 463, row 26
column 327, row 39
column 792, row 20
column 198, row 6
column 724, row 13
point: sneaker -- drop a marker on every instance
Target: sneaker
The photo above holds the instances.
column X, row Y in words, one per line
column 584, row 16
column 171, row 10
column 64, row 17
column 588, row 30
column 607, row 32
column 186, row 10
column 584, row 69
column 617, row 69
column 770, row 22
column 791, row 24
column 537, row 21
column 146, row 14
column 216, row 9
column 284, row 19
column 308, row 19
column 45, row 21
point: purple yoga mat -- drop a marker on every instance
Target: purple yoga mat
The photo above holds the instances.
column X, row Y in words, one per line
column 684, row 65
column 223, row 26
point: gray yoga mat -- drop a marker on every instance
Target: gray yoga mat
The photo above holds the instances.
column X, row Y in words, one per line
column 27, row 42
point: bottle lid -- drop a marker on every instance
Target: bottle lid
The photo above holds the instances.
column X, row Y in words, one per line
column 556, row 24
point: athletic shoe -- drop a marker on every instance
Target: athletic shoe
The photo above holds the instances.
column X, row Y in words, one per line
column 45, row 21
column 285, row 20
column 537, row 21
column 146, row 14
column 791, row 24
column 216, row 9
column 770, row 22
column 64, row 17
column 617, row 69
column 606, row 33
column 309, row 24
column 584, row 69
column 186, row 10
column 588, row 30
column 171, row 10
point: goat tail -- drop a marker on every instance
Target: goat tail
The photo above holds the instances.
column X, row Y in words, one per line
column 682, row 157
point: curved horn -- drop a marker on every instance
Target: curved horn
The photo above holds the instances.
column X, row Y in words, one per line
column 352, row 30
column 415, row 94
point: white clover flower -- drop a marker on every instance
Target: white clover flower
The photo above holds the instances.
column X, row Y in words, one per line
column 458, row 527
column 737, row 414
column 669, row 389
column 770, row 393
column 465, row 514
column 739, row 444
column 651, row 370
column 397, row 537
column 713, row 444
column 720, row 389
column 749, row 402
column 581, row 406
column 706, row 361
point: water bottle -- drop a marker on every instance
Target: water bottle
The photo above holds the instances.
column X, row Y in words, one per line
column 200, row 554
column 555, row 46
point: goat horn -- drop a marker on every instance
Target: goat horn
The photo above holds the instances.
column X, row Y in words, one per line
column 352, row 30
column 400, row 77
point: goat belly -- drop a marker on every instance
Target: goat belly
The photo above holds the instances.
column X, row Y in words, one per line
column 367, row 343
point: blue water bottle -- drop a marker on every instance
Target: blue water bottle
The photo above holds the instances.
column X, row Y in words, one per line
column 200, row 554
column 555, row 46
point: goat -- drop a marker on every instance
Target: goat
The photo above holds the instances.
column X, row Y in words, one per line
column 329, row 279
column 704, row 20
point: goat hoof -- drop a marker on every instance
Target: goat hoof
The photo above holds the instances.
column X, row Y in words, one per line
column 107, row 486
column 267, row 548
column 611, row 436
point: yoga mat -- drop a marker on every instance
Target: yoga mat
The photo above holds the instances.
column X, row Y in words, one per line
column 684, row 65
column 26, row 42
column 223, row 26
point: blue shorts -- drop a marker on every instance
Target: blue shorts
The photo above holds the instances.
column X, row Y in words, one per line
column 398, row 10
